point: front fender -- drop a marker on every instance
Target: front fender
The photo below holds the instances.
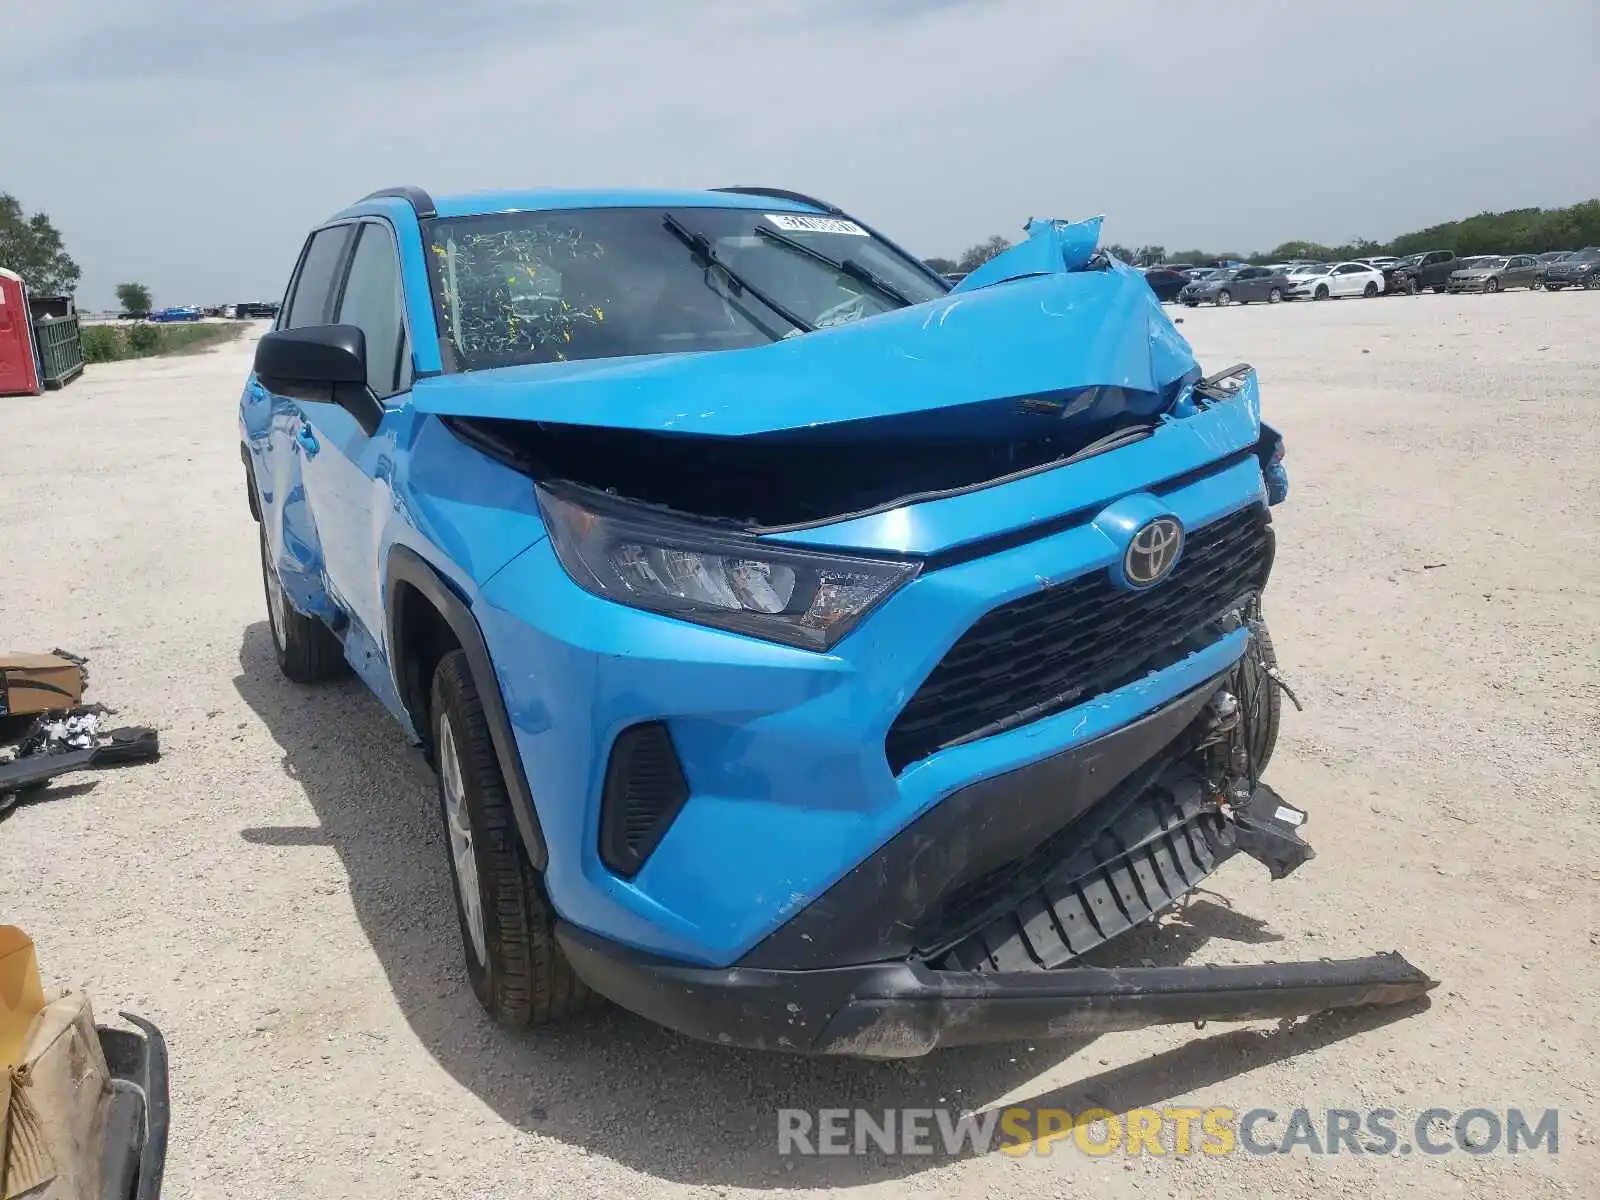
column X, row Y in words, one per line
column 406, row 569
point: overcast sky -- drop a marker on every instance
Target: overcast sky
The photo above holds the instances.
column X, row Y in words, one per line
column 189, row 144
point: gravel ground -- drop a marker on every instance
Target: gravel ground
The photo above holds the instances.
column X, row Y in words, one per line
column 273, row 892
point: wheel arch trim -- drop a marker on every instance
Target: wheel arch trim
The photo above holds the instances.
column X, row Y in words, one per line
column 407, row 567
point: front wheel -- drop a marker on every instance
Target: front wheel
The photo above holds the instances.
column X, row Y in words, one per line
column 1321, row 293
column 1260, row 700
column 1493, row 285
column 1554, row 287
column 307, row 650
column 1224, row 299
column 1412, row 288
column 514, row 963
column 1370, row 290
column 1536, row 286
column 1592, row 284
column 1275, row 295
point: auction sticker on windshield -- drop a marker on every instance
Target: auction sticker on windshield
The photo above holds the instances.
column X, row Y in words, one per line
column 799, row 224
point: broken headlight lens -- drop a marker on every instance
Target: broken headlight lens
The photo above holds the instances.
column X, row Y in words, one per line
column 799, row 597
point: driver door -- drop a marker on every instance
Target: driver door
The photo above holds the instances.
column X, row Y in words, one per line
column 348, row 454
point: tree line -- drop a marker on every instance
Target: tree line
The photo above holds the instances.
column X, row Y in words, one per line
column 1517, row 231
column 32, row 247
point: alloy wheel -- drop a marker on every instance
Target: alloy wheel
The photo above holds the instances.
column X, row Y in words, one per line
column 459, row 828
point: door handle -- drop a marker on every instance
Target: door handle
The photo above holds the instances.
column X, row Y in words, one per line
column 307, row 441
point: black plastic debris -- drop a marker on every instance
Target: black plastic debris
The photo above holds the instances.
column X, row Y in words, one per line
column 70, row 740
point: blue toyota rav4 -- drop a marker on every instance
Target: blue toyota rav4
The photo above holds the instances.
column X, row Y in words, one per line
column 813, row 655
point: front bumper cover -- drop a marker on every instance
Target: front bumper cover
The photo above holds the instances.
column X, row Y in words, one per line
column 905, row 1009
column 876, row 969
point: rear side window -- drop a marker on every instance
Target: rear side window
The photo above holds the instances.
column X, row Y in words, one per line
column 372, row 302
column 309, row 304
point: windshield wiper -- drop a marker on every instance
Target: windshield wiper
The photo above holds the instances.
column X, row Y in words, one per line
column 845, row 266
column 700, row 246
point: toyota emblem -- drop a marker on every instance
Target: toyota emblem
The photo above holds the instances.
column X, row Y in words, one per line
column 1153, row 552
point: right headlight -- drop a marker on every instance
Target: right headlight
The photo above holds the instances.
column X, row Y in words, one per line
column 803, row 598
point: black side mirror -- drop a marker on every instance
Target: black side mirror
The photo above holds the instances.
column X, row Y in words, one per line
column 320, row 363
column 313, row 360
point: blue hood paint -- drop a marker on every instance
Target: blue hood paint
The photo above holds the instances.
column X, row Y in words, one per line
column 1047, row 333
column 1051, row 246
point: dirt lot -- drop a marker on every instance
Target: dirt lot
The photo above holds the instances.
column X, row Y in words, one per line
column 274, row 894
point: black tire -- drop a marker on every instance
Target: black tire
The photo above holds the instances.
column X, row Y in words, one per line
column 307, row 650
column 1260, row 700
column 1592, row 284
column 1438, row 289
column 1492, row 285
column 522, row 979
column 1321, row 293
column 1412, row 287
column 1537, row 285
column 1224, row 298
column 1554, row 287
column 1191, row 304
column 1370, row 290
column 1275, row 295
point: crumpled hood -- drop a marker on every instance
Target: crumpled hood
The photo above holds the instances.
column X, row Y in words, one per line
column 1041, row 324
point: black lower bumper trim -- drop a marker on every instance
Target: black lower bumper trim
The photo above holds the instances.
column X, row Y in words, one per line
column 904, row 1009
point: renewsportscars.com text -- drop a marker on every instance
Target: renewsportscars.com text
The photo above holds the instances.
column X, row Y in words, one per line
column 1175, row 1131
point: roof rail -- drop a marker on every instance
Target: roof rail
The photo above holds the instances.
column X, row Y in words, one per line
column 421, row 203
column 784, row 194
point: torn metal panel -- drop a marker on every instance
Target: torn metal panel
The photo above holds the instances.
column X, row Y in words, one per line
column 1051, row 246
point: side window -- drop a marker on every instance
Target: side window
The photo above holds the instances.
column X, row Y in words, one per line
column 371, row 301
column 314, row 286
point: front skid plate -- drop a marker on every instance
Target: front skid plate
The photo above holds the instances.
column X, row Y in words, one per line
column 949, row 1011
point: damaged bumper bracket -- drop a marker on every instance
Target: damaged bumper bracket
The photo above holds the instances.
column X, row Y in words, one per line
column 905, row 1009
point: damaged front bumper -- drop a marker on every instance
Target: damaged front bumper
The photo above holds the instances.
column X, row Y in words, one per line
column 969, row 926
column 907, row 1009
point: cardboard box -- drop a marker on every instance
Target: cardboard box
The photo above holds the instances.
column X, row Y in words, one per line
column 55, row 1086
column 35, row 683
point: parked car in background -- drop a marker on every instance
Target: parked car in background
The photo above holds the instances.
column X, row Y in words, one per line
column 1244, row 284
column 1419, row 272
column 1553, row 256
column 1333, row 280
column 135, row 314
column 1166, row 284
column 1493, row 274
column 1380, row 261
column 245, row 311
column 177, row 312
column 1581, row 268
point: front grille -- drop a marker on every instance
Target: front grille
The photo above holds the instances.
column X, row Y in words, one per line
column 1050, row 649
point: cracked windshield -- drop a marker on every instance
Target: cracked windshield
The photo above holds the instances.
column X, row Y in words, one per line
column 598, row 283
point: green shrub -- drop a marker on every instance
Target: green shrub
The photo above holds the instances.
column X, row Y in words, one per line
column 143, row 339
column 103, row 343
